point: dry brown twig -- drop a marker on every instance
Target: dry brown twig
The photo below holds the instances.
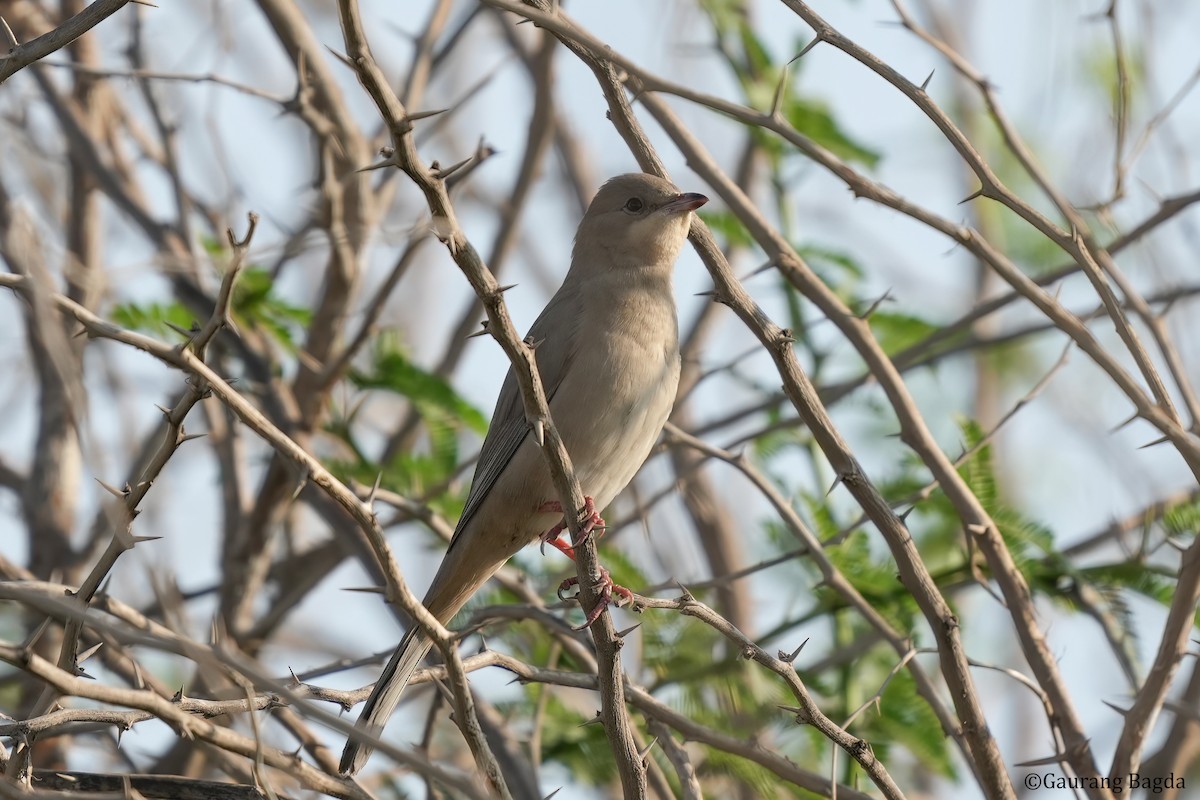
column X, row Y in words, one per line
column 250, row 416
column 133, row 628
column 433, row 185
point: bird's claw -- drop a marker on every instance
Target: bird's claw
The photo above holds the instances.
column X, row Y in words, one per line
column 591, row 522
column 605, row 591
column 552, row 538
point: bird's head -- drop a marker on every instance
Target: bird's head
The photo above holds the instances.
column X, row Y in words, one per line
column 635, row 221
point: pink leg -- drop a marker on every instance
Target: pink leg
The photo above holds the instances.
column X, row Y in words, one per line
column 591, row 522
column 606, row 590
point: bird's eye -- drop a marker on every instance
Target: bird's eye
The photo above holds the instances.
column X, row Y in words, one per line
column 634, row 205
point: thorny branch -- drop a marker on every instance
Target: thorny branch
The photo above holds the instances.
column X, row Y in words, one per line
column 331, row 380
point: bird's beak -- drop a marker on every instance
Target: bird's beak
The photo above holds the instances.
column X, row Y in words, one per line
column 683, row 203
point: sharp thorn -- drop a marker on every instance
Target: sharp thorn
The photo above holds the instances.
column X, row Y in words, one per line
column 1041, row 762
column 871, row 309
column 387, row 162
column 760, row 269
column 178, row 328
column 1122, row 711
column 419, row 115
column 341, row 57
column 627, row 631
column 453, row 168
column 972, row 196
column 790, row 657
column 114, row 491
column 816, row 41
column 86, row 654
column 366, row 589
column 36, row 635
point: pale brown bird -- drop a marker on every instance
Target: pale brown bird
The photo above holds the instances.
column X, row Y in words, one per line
column 607, row 350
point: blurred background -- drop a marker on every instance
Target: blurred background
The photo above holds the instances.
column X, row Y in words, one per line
column 127, row 155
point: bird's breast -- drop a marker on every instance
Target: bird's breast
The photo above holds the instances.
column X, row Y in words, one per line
column 611, row 413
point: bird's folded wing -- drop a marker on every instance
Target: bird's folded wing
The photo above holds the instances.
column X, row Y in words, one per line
column 554, row 335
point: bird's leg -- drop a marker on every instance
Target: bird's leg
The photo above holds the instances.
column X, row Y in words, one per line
column 592, row 521
column 606, row 589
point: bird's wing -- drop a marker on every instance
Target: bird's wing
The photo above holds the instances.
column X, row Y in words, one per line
column 555, row 336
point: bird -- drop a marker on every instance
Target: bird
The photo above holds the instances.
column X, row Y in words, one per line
column 607, row 350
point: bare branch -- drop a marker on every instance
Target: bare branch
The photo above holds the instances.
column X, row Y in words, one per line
column 21, row 56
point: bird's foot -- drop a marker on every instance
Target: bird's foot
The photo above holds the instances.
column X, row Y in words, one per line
column 592, row 522
column 605, row 591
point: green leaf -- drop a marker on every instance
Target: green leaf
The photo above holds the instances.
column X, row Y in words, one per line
column 812, row 118
column 153, row 317
column 1183, row 519
column 873, row 575
column 581, row 748
column 762, row 782
column 728, row 227
column 256, row 305
column 434, row 397
column 444, row 413
column 830, row 257
column 896, row 331
column 213, row 246
column 758, row 73
column 978, row 470
column 771, row 444
column 758, row 58
column 906, row 720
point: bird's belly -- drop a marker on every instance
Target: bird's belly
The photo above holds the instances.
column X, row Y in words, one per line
column 624, row 414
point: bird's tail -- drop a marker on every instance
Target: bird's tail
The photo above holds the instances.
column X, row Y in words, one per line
column 385, row 697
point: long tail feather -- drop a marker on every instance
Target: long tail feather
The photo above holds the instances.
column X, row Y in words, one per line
column 384, row 698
